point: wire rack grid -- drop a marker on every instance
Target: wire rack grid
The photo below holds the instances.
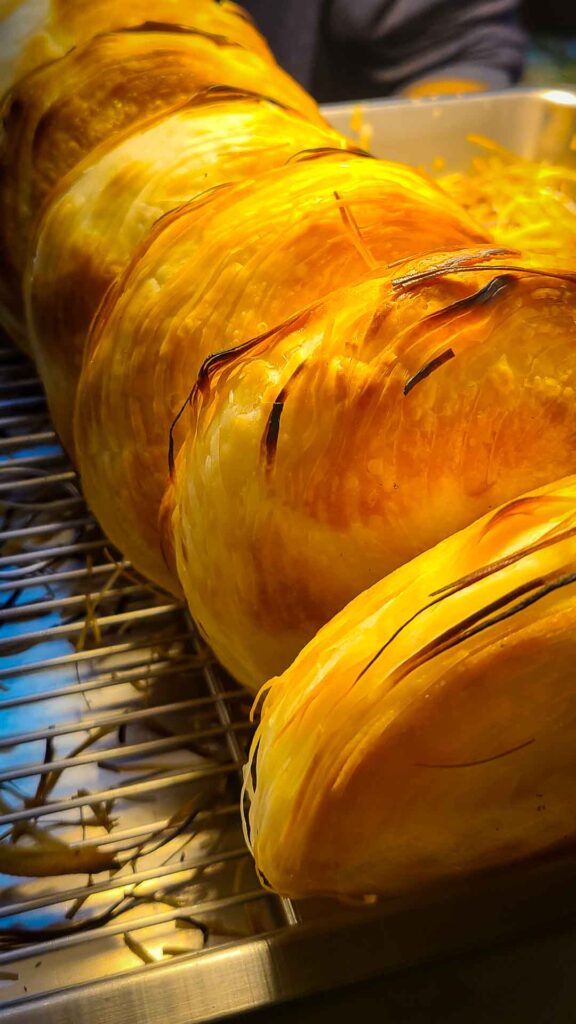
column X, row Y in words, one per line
column 121, row 743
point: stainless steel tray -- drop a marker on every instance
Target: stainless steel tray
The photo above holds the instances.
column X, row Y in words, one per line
column 539, row 124
column 116, row 730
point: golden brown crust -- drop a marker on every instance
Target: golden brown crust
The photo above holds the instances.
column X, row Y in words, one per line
column 381, row 447
column 212, row 275
column 34, row 33
column 427, row 733
column 58, row 114
column 218, row 136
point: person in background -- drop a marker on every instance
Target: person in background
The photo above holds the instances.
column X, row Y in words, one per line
column 353, row 49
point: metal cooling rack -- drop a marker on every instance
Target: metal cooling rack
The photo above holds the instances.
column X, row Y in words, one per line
column 121, row 744
column 118, row 738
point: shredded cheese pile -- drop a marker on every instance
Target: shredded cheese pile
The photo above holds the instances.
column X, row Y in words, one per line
column 524, row 203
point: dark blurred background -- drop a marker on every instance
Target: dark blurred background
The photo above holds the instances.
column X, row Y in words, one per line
column 558, row 14
column 552, row 52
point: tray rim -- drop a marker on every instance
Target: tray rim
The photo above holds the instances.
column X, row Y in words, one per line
column 551, row 93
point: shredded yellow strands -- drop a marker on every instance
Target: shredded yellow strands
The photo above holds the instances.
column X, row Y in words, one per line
column 521, row 202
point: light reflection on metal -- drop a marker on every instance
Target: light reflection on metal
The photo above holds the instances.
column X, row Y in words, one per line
column 113, row 738
column 561, row 96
